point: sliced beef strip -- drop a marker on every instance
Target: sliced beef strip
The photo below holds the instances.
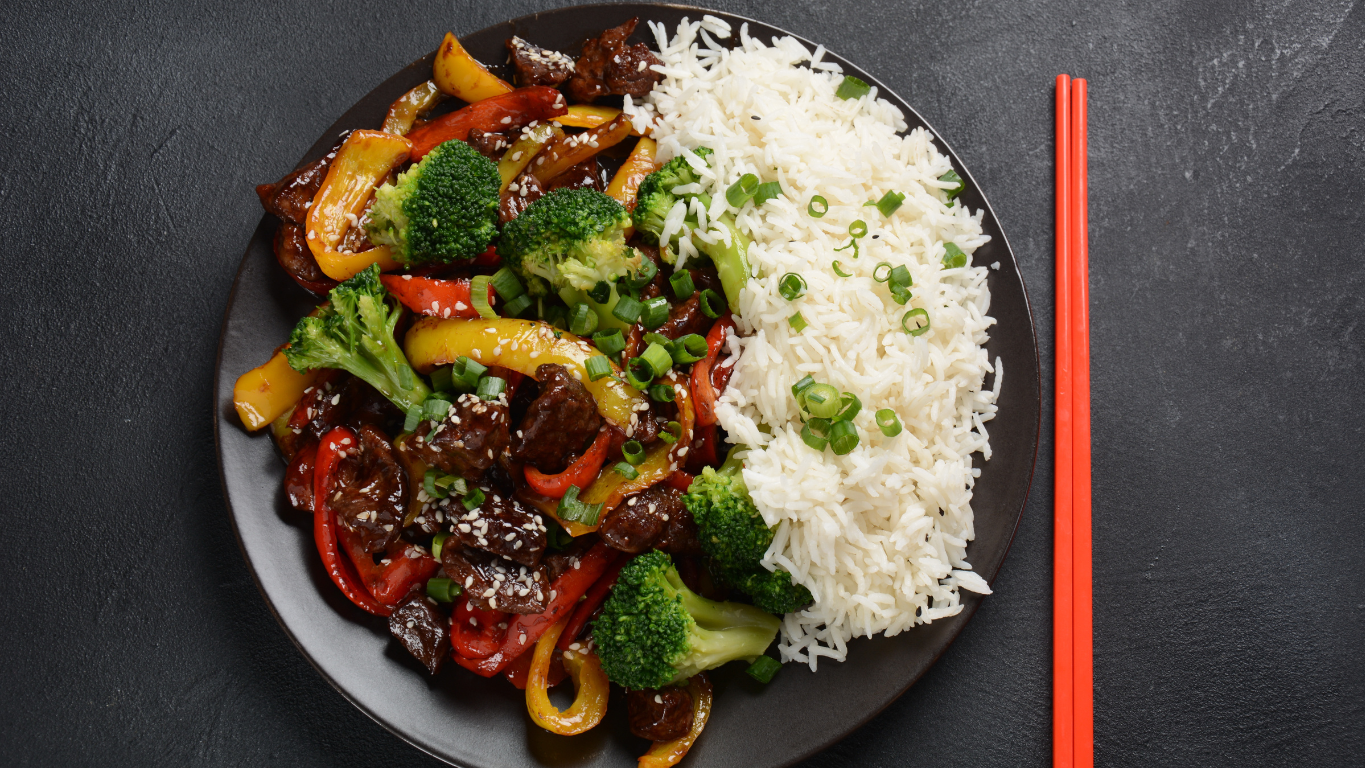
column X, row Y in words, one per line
column 585, row 175
column 371, row 490
column 496, row 583
column 559, row 424
column 468, row 439
column 421, row 629
column 559, row 562
column 628, row 71
column 538, row 66
column 654, row 518
column 609, row 66
column 659, row 714
column 289, row 197
column 685, row 317
column 490, row 145
column 500, row 525
column 297, row 260
column 524, row 190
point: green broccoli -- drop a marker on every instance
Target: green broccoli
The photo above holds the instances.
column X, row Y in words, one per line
column 353, row 331
column 655, row 199
column 654, row 630
column 443, row 209
column 733, row 534
column 570, row 237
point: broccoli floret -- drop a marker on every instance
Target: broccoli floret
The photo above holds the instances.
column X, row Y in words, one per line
column 570, row 237
column 733, row 534
column 655, row 197
column 353, row 331
column 654, row 630
column 443, row 209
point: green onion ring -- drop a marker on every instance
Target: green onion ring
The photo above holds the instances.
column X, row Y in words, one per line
column 920, row 331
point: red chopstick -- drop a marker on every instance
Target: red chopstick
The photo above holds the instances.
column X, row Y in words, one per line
column 1072, row 666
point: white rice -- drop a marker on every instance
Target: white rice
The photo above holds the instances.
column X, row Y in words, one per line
column 879, row 536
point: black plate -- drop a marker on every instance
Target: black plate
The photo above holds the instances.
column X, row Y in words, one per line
column 470, row 721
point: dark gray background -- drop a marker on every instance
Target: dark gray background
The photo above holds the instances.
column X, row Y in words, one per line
column 1226, row 267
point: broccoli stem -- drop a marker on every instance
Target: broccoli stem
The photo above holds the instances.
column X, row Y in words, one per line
column 732, row 261
column 605, row 319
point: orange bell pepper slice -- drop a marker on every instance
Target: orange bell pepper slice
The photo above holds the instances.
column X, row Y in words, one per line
column 404, row 112
column 666, row 753
column 267, row 391
column 567, row 151
column 590, row 687
column 591, row 116
column 460, row 75
column 362, row 163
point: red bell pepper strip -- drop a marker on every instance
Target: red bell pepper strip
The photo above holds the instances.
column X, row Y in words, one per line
column 340, row 569
column 488, row 258
column 703, row 391
column 521, row 106
column 596, row 595
column 679, row 480
column 580, row 473
column 389, row 582
column 436, row 298
column 474, row 632
column 524, row 631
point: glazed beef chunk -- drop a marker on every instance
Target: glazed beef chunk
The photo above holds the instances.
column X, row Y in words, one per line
column 585, row 175
column 500, row 525
column 559, row 424
column 495, row 583
column 289, row 197
column 490, row 145
column 609, row 66
column 538, row 66
column 421, row 629
column 371, row 490
column 294, row 257
column 468, row 439
column 654, row 518
column 659, row 714
column 524, row 190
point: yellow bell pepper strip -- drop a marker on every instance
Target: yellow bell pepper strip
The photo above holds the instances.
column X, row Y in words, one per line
column 589, row 681
column 626, row 183
column 263, row 394
column 662, row 459
column 362, row 163
column 667, row 753
column 567, row 151
column 522, row 346
column 591, row 116
column 522, row 151
column 460, row 75
column 410, row 106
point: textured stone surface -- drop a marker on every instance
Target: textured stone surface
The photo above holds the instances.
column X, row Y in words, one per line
column 1227, row 273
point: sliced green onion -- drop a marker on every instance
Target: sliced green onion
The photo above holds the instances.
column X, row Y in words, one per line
column 953, row 256
column 712, row 303
column 658, row 358
column 599, row 366
column 582, row 320
column 570, row 508
column 507, row 285
column 821, row 400
column 440, row 378
column 688, row 349
column 658, row 338
column 838, row 271
column 767, row 191
column 952, row 178
column 478, row 296
column 901, row 276
column 797, row 322
column 473, row 499
column 609, row 342
column 627, row 309
column 661, row 393
column 849, row 406
column 816, row 433
column 671, row 432
column 853, row 243
column 450, row 483
column 852, row 88
column 633, row 452
column 413, row 418
column 920, row 331
column 843, row 437
column 490, row 387
column 655, row 312
column 888, row 422
column 438, row 543
column 820, row 201
column 648, row 269
column 741, row 190
column 600, row 292
column 885, row 277
column 516, row 306
column 443, row 590
column 429, row 484
column 857, row 229
column 639, row 373
column 466, row 372
column 763, row 669
column 624, row 469
column 802, row 385
column 557, row 316
column 890, row 202
column 683, row 286
column 792, row 286
column 435, row 408
column 900, row 294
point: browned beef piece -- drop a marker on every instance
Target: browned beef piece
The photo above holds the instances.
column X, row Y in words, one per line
column 289, row 197
column 684, row 318
column 490, row 145
column 501, row 525
column 468, row 439
column 295, row 258
column 559, row 424
column 609, row 66
column 421, row 629
column 653, row 518
column 496, row 583
column 706, row 277
column 559, row 562
column 371, row 490
column 536, row 65
column 585, row 175
column 659, row 714
column 524, row 190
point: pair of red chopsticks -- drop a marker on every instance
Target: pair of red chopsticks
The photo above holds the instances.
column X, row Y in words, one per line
column 1073, row 717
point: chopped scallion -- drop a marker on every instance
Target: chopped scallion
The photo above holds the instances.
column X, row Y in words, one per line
column 655, row 312
column 661, row 393
column 953, row 257
column 598, row 365
column 816, row 433
column 792, row 286
column 465, row 372
column 671, row 432
column 852, row 88
column 952, row 178
column 633, row 452
column 890, row 202
column 582, row 320
column 435, row 408
column 802, row 385
column 609, row 342
column 813, row 211
column 429, row 484
column 767, row 191
column 741, row 190
column 688, row 349
column 413, row 418
column 888, row 422
column 478, row 296
column 857, row 229
column 843, row 437
column 443, row 590
column 901, row 276
column 601, row 292
column 648, row 269
column 797, row 322
column 683, row 287
column 624, row 469
column 505, row 282
column 473, row 499
column 490, row 387
column 849, row 406
column 712, row 303
column 884, row 277
column 440, row 379
column 437, row 544
column 639, row 373
column 627, row 309
column 516, row 306
column 839, row 271
column 920, row 331
column 763, row 669
column 821, row 400
column 573, row 510
column 900, row 294
column 658, row 359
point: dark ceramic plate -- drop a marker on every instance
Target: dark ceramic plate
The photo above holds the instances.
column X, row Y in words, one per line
column 470, row 721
